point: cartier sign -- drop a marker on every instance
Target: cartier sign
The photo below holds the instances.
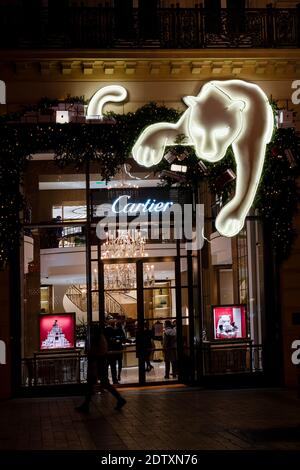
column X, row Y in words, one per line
column 122, row 206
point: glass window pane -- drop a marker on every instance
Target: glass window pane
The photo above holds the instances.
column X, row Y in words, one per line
column 163, row 271
column 120, row 276
column 54, row 284
column 226, row 286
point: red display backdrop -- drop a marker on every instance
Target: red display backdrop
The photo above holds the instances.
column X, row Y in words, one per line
column 230, row 322
column 57, row 331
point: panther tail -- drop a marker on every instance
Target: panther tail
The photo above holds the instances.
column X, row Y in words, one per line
column 111, row 93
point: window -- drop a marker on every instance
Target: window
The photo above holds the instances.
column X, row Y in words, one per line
column 124, row 19
column 148, row 18
column 212, row 16
column 226, row 286
column 236, row 16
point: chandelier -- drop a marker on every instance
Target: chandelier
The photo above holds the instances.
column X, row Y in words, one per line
column 149, row 279
column 119, row 276
column 125, row 244
column 122, row 244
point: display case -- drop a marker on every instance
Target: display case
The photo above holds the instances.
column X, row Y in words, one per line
column 230, row 348
column 161, row 300
column 46, row 299
column 157, row 300
column 229, row 322
column 57, row 331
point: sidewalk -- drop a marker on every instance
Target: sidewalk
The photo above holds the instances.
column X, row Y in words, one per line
column 156, row 419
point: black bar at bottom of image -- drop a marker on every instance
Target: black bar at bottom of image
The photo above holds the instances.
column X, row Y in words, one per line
column 137, row 459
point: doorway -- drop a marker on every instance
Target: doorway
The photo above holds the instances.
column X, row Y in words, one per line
column 148, row 298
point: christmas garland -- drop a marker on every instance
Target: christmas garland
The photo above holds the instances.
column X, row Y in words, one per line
column 110, row 145
column 278, row 193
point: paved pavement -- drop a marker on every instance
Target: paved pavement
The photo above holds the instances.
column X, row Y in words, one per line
column 180, row 418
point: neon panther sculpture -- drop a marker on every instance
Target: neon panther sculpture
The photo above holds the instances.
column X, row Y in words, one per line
column 229, row 112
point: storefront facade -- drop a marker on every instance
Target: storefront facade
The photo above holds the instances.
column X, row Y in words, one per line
column 64, row 271
column 142, row 271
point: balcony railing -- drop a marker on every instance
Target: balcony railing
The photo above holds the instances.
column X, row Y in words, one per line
column 168, row 28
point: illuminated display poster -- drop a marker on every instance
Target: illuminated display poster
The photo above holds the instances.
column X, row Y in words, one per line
column 229, row 322
column 57, row 331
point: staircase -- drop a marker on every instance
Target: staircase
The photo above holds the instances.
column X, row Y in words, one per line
column 77, row 298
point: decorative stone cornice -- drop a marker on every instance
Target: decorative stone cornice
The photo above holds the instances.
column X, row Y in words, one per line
column 151, row 65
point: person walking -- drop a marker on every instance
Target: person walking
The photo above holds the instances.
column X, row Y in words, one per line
column 98, row 368
column 109, row 333
column 170, row 349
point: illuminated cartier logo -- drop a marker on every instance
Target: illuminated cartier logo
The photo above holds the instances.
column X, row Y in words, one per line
column 229, row 112
column 121, row 206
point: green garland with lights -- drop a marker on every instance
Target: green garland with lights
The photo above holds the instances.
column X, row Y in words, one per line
column 278, row 194
column 109, row 145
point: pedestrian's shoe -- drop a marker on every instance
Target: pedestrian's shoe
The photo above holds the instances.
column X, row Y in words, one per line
column 120, row 404
column 84, row 408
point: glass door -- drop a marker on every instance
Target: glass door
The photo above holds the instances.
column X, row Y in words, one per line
column 141, row 318
column 146, row 305
column 121, row 319
column 160, row 320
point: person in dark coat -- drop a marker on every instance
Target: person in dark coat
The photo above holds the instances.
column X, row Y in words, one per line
column 170, row 349
column 120, row 340
column 98, row 368
column 110, row 336
column 144, row 345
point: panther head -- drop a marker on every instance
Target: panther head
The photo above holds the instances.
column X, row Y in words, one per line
column 215, row 121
